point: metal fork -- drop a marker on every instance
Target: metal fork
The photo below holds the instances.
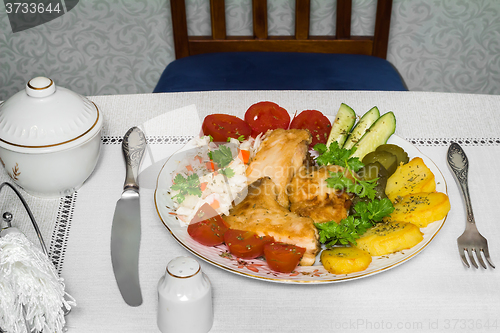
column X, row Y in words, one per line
column 471, row 240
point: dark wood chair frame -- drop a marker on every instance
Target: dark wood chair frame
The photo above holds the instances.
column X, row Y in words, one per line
column 342, row 42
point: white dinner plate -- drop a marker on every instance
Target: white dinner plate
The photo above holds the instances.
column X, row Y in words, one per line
column 257, row 268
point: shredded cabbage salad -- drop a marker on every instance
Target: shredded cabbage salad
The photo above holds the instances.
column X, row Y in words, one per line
column 211, row 174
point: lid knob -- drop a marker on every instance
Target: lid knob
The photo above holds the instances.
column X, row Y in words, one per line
column 40, row 87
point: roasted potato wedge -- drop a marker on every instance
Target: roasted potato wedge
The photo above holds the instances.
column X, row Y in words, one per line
column 345, row 260
column 389, row 237
column 420, row 208
column 409, row 178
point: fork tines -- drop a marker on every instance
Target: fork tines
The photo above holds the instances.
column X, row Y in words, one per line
column 478, row 255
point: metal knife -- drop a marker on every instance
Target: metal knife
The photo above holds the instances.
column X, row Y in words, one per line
column 126, row 229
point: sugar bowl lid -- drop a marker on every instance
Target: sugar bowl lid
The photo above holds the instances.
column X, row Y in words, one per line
column 44, row 117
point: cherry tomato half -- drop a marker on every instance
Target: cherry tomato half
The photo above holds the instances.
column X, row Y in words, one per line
column 264, row 116
column 223, row 126
column 283, row 257
column 207, row 227
column 245, row 244
column 316, row 123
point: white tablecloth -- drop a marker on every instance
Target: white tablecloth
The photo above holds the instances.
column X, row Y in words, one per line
column 431, row 292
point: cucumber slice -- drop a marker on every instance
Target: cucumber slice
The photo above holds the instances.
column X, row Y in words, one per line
column 376, row 135
column 359, row 130
column 342, row 125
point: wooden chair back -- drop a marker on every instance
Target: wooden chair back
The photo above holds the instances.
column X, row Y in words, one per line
column 342, row 42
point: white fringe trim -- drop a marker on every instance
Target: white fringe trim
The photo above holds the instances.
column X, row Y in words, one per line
column 28, row 279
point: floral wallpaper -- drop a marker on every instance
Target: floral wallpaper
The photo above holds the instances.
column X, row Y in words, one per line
column 122, row 46
column 450, row 45
column 98, row 48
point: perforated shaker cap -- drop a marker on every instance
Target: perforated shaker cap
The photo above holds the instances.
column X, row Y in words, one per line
column 183, row 267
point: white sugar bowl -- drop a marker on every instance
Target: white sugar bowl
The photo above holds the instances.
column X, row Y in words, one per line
column 50, row 138
column 184, row 298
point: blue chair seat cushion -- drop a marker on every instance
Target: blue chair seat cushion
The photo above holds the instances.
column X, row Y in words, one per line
column 279, row 71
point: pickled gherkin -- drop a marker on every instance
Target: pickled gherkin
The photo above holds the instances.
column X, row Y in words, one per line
column 373, row 170
column 401, row 155
column 388, row 160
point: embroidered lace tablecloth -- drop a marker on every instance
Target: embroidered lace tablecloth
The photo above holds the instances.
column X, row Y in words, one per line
column 431, row 292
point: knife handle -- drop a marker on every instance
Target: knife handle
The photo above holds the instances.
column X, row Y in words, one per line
column 133, row 147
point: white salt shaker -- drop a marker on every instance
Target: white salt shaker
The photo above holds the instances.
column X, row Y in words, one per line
column 184, row 298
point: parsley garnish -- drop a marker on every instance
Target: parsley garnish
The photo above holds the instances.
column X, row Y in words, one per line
column 351, row 228
column 186, row 186
column 340, row 156
column 241, row 138
column 222, row 157
column 374, row 210
column 366, row 214
column 228, row 172
column 335, row 155
column 362, row 188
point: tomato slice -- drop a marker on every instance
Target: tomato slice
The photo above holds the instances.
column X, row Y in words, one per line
column 264, row 116
column 283, row 257
column 223, row 126
column 245, row 244
column 316, row 123
column 207, row 227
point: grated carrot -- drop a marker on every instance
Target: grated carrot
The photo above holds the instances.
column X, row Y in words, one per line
column 203, row 186
column 210, row 166
column 244, row 155
column 215, row 204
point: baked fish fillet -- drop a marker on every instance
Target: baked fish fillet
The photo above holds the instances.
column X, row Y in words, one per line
column 260, row 212
column 309, row 196
column 279, row 157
